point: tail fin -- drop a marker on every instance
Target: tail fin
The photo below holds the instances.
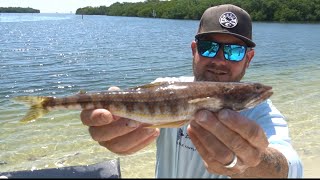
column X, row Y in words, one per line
column 36, row 110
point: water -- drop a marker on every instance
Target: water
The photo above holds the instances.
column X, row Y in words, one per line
column 61, row 54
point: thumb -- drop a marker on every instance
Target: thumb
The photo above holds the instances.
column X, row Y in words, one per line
column 114, row 88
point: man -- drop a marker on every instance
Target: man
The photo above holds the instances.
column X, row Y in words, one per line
column 252, row 143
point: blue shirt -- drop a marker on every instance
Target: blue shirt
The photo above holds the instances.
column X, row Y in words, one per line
column 178, row 158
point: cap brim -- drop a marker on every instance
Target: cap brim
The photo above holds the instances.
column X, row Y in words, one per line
column 246, row 40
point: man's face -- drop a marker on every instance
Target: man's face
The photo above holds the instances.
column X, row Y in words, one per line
column 218, row 68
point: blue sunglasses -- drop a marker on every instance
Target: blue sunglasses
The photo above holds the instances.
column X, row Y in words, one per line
column 232, row 52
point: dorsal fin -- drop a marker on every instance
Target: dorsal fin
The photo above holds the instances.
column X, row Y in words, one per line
column 81, row 91
column 150, row 86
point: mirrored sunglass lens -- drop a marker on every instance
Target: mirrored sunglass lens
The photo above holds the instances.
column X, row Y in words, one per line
column 208, row 48
column 234, row 52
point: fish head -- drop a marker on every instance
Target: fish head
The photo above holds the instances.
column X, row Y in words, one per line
column 239, row 96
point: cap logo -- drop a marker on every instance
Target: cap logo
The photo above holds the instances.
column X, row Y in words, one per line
column 228, row 20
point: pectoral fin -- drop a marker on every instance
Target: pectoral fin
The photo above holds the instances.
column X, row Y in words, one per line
column 210, row 103
column 199, row 100
column 175, row 124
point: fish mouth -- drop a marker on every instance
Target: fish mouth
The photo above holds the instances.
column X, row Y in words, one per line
column 261, row 97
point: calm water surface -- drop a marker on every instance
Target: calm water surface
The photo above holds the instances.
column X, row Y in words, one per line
column 61, row 54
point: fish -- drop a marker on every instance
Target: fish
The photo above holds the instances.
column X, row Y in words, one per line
column 161, row 104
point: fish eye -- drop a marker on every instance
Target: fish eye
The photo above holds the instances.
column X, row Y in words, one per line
column 258, row 87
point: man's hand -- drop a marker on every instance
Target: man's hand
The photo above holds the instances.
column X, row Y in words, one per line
column 220, row 136
column 119, row 135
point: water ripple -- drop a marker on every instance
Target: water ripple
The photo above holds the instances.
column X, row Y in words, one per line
column 59, row 55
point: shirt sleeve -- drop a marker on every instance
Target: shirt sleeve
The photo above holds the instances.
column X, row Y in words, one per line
column 277, row 131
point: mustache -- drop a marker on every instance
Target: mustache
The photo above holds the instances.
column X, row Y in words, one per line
column 218, row 67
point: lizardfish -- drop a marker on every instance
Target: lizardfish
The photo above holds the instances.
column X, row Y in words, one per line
column 164, row 104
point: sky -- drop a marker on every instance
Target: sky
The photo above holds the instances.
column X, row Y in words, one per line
column 60, row 6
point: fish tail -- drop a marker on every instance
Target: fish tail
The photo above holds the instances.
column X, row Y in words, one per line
column 37, row 108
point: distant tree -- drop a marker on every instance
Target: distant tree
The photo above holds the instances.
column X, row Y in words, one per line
column 18, row 10
column 260, row 10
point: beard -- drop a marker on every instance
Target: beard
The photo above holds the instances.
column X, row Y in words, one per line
column 217, row 73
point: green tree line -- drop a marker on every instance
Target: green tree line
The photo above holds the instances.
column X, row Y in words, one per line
column 18, row 10
column 260, row 10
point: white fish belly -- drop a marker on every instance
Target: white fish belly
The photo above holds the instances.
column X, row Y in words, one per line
column 143, row 115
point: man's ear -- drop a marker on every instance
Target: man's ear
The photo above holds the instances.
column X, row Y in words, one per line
column 193, row 47
column 250, row 55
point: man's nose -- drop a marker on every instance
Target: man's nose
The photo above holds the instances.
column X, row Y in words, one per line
column 219, row 58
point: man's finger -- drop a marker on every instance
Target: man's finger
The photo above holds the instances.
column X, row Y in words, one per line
column 211, row 164
column 246, row 128
column 96, row 117
column 114, row 88
column 230, row 138
column 113, row 130
column 215, row 150
column 123, row 144
column 144, row 143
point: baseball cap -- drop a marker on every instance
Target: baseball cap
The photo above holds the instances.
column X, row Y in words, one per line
column 227, row 19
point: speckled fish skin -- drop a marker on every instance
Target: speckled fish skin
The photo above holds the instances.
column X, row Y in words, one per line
column 158, row 103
